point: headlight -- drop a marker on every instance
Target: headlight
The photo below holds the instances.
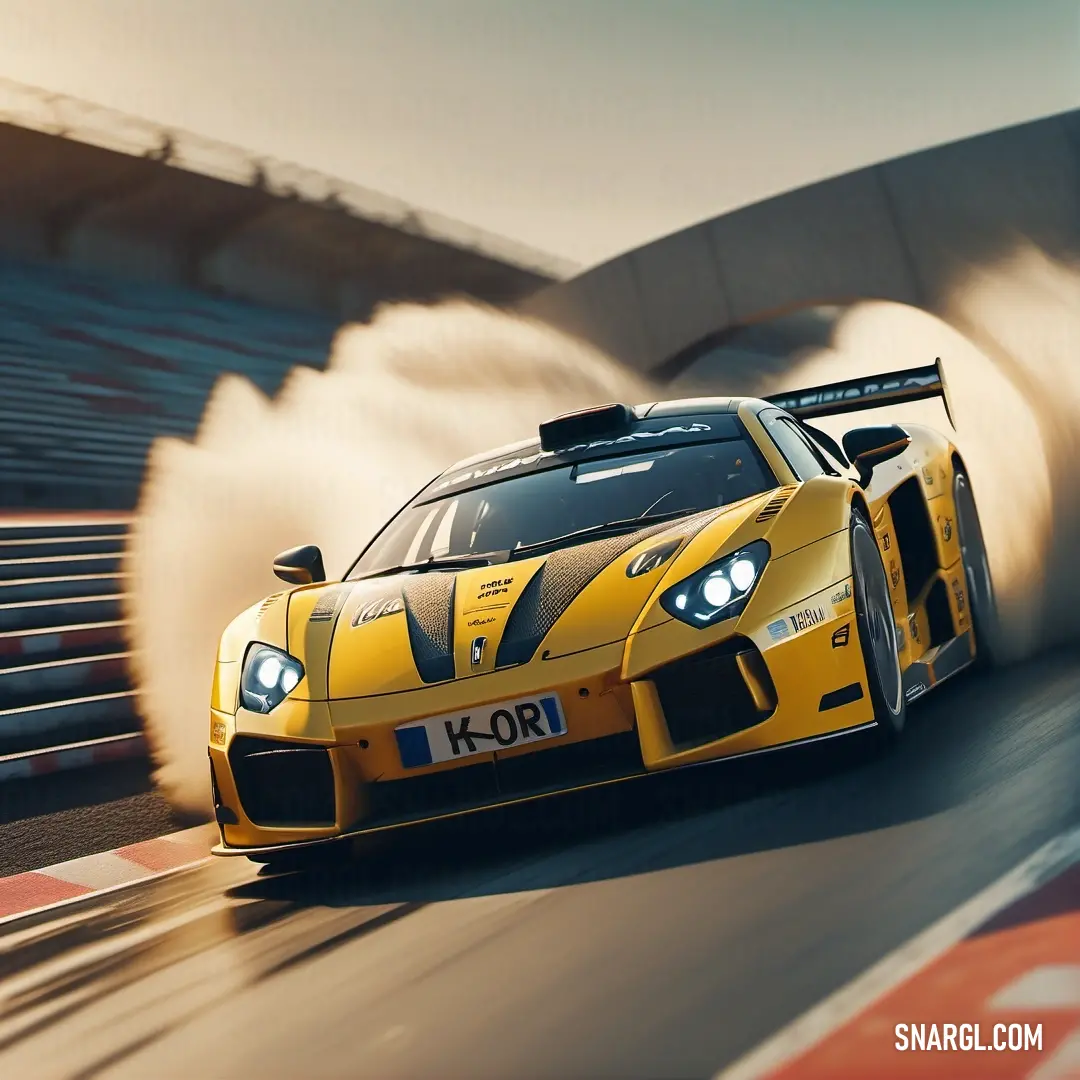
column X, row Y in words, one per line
column 269, row 676
column 719, row 590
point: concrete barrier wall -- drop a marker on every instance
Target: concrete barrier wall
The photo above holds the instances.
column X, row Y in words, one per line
column 898, row 231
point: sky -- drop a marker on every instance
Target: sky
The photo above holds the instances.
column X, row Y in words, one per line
column 579, row 127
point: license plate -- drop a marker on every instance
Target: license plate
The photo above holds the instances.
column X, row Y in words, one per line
column 479, row 731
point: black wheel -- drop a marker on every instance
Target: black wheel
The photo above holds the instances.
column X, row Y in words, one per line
column 980, row 586
column 877, row 631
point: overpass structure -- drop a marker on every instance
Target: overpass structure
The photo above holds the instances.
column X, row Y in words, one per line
column 906, row 230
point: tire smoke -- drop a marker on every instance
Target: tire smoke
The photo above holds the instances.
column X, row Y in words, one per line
column 326, row 461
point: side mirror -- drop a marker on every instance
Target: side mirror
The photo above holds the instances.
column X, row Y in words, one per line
column 868, row 447
column 300, row 565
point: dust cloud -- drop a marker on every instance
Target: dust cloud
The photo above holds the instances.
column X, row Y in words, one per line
column 326, row 461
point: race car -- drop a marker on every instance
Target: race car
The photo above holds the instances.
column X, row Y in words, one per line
column 633, row 589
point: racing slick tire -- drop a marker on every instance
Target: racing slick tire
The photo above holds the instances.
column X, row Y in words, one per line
column 980, row 586
column 877, row 632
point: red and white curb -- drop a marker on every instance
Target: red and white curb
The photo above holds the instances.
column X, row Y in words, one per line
column 72, row 756
column 1000, row 965
column 34, row 890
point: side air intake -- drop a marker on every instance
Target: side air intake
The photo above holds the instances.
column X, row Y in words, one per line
column 775, row 504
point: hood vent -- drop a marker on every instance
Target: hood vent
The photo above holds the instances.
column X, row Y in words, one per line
column 429, row 613
column 776, row 503
column 269, row 602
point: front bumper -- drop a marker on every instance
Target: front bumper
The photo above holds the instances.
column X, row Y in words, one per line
column 726, row 700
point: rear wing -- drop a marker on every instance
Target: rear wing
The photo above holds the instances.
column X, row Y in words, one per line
column 872, row 391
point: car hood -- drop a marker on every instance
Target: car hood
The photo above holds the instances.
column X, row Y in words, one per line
column 393, row 634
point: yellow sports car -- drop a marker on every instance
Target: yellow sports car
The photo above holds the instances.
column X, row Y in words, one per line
column 640, row 588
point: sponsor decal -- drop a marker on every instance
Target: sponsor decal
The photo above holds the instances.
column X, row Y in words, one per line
column 521, row 462
column 494, row 588
column 928, row 476
column 778, row 630
column 476, row 653
column 376, row 609
column 886, row 541
column 913, row 627
column 946, row 530
column 486, row 621
column 894, row 573
column 848, row 392
column 842, row 636
column 958, row 592
column 803, row 620
column 842, row 595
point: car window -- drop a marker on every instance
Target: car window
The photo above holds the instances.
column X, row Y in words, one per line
column 805, row 459
column 536, row 507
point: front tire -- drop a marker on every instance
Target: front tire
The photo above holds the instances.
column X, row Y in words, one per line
column 877, row 631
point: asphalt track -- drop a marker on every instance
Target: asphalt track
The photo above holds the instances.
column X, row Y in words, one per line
column 51, row 819
column 661, row 930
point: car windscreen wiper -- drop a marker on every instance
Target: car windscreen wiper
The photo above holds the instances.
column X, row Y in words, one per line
column 449, row 562
column 605, row 529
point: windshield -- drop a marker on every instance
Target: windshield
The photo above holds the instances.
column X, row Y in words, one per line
column 529, row 510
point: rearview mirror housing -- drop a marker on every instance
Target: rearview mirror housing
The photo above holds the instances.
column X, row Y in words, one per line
column 868, row 447
column 300, row 565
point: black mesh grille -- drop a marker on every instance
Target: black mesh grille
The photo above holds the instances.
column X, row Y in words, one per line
column 688, row 528
column 705, row 697
column 429, row 610
column 565, row 573
column 283, row 784
column 490, row 783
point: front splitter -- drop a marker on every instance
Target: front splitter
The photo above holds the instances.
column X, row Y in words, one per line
column 225, row 850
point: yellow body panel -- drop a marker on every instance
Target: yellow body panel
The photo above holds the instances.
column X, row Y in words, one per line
column 795, row 646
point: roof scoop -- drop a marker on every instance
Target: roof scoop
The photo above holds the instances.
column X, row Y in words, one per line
column 570, row 429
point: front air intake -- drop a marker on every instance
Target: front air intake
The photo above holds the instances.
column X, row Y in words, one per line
column 282, row 784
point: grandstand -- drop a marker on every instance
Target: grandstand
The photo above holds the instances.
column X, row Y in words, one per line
column 93, row 368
